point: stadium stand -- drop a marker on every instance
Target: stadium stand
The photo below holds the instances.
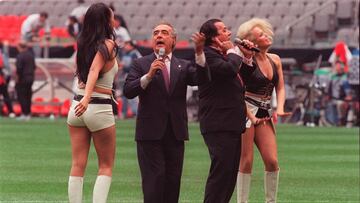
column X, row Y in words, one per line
column 303, row 25
column 326, row 17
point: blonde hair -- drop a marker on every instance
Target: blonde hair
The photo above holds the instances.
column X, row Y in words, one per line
column 244, row 31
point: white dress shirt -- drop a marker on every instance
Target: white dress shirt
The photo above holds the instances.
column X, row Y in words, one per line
column 145, row 80
column 122, row 34
column 32, row 23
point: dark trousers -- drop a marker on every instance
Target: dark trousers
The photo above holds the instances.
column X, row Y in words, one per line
column 224, row 149
column 24, row 94
column 161, row 163
column 7, row 100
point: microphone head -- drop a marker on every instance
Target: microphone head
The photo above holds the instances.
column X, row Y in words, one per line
column 237, row 41
column 162, row 52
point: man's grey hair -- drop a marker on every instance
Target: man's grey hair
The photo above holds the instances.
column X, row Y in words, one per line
column 173, row 33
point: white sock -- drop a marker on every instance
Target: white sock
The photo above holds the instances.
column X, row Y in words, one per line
column 75, row 189
column 271, row 182
column 101, row 189
column 243, row 187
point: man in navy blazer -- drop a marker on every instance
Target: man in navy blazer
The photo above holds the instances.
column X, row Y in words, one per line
column 222, row 110
column 160, row 80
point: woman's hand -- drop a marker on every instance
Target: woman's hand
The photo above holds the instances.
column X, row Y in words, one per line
column 257, row 121
column 281, row 113
column 81, row 107
column 81, row 85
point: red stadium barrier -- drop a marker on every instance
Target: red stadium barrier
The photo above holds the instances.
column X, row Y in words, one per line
column 38, row 107
column 54, row 107
column 10, row 28
column 64, row 109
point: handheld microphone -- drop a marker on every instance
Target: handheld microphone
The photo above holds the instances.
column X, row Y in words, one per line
column 161, row 56
column 162, row 52
column 242, row 43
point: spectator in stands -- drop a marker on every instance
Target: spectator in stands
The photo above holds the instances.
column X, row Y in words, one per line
column 5, row 76
column 90, row 116
column 341, row 53
column 31, row 26
column 74, row 27
column 122, row 34
column 222, row 110
column 79, row 11
column 339, row 95
column 354, row 81
column 5, row 60
column 260, row 80
column 130, row 53
column 161, row 127
column 30, row 30
column 122, row 20
column 25, row 76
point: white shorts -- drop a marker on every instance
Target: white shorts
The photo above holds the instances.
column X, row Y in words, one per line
column 96, row 117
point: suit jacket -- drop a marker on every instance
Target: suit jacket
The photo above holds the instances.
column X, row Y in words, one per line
column 156, row 105
column 222, row 106
column 25, row 67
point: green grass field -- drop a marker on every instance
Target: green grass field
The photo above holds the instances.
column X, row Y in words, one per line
column 317, row 164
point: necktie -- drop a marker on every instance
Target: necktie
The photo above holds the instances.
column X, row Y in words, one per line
column 165, row 74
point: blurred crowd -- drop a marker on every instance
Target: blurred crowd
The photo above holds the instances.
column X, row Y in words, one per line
column 331, row 98
column 342, row 100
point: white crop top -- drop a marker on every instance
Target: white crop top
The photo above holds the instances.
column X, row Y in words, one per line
column 105, row 81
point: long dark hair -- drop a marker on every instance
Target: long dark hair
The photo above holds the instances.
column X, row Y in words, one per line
column 209, row 30
column 96, row 29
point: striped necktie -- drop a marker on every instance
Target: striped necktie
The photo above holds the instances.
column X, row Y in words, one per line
column 165, row 74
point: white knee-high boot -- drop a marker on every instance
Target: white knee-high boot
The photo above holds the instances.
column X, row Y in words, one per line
column 271, row 181
column 101, row 189
column 243, row 187
column 75, row 189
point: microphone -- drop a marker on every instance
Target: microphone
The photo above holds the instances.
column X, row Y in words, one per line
column 238, row 41
column 161, row 55
column 162, row 52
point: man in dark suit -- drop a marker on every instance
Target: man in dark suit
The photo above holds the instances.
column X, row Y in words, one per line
column 222, row 110
column 160, row 80
column 25, row 76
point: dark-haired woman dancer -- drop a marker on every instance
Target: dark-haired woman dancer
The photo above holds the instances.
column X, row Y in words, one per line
column 91, row 115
